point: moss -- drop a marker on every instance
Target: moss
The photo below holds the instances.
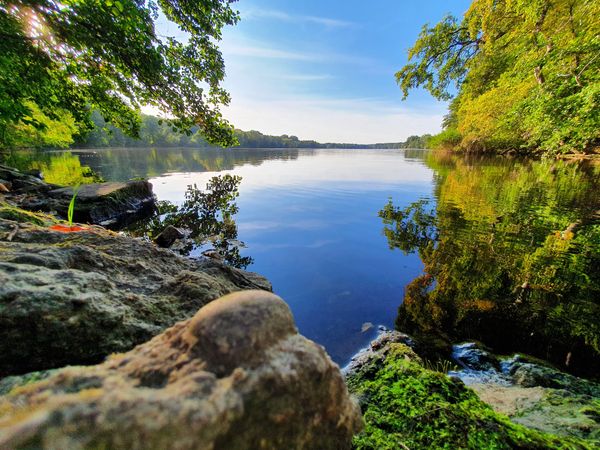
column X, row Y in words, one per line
column 407, row 406
column 13, row 213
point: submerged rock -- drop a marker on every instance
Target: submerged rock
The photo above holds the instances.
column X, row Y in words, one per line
column 533, row 394
column 168, row 236
column 74, row 298
column 235, row 376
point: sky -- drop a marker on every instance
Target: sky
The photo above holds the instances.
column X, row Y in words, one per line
column 324, row 69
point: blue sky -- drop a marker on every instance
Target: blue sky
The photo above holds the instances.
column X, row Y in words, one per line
column 324, row 70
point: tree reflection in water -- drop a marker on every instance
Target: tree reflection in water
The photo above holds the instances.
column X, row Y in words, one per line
column 206, row 216
column 512, row 258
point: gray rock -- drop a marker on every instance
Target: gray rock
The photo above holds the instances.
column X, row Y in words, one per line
column 112, row 205
column 73, row 298
column 471, row 356
column 528, row 374
column 19, row 180
column 235, row 376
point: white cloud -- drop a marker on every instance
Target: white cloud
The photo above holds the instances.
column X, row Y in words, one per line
column 246, row 48
column 285, row 17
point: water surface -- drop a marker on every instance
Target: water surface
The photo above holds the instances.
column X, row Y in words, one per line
column 503, row 251
column 309, row 219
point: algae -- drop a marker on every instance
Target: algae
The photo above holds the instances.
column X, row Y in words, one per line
column 408, row 406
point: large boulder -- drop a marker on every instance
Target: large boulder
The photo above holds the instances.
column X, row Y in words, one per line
column 73, row 298
column 235, row 376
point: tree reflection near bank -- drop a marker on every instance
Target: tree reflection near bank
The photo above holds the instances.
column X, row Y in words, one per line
column 512, row 258
column 205, row 217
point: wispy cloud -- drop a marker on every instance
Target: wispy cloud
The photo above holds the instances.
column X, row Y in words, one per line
column 306, row 77
column 261, row 50
column 286, row 17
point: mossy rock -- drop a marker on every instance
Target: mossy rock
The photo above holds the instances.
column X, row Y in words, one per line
column 22, row 216
column 407, row 406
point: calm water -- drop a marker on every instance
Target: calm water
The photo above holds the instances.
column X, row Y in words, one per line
column 507, row 252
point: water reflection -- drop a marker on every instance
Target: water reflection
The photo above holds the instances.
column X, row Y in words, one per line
column 61, row 168
column 512, row 257
column 126, row 163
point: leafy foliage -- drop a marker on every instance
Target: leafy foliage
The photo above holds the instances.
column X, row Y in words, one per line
column 521, row 75
column 76, row 55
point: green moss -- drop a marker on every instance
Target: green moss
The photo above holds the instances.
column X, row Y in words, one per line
column 22, row 216
column 407, row 406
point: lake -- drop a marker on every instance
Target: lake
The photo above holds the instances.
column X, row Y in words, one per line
column 503, row 251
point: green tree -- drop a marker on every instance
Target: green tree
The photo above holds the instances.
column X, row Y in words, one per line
column 78, row 55
column 520, row 74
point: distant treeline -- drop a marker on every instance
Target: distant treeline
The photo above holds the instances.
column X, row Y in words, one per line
column 157, row 133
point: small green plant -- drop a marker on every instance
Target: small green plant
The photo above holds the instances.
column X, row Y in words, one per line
column 72, row 206
column 440, row 365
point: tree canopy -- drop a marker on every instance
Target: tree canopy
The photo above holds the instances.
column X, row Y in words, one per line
column 521, row 74
column 65, row 58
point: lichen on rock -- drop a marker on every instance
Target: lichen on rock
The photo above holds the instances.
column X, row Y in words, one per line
column 235, row 376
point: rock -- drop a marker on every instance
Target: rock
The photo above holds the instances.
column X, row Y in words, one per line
column 529, row 374
column 470, row 356
column 235, row 376
column 538, row 396
column 168, row 236
column 19, row 180
column 112, row 205
column 406, row 405
column 73, row 298
column 376, row 351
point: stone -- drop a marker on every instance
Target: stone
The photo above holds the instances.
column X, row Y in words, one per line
column 168, row 236
column 377, row 351
column 74, row 298
column 19, row 180
column 470, row 356
column 113, row 205
column 235, row 376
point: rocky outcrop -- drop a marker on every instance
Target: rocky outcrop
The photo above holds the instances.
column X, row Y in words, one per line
column 73, row 298
column 112, row 205
column 235, row 376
